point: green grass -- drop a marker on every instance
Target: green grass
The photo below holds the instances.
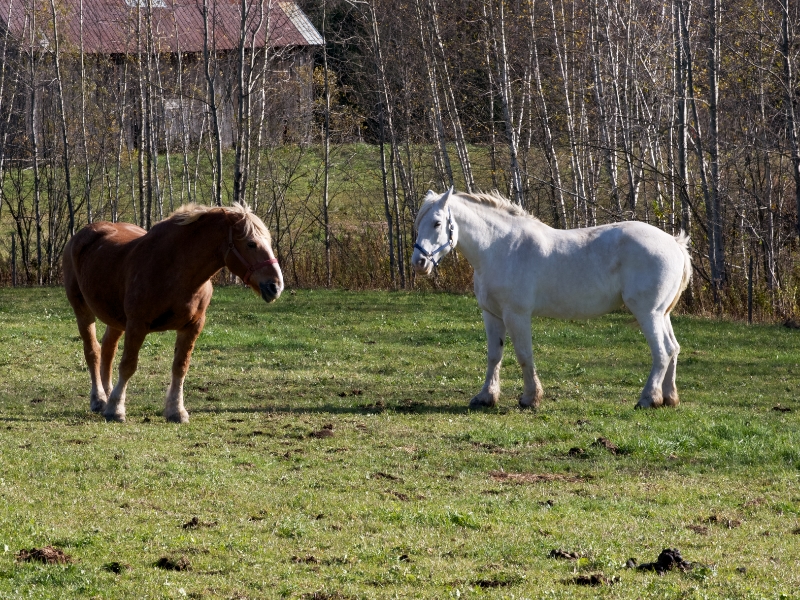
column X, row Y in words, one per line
column 404, row 496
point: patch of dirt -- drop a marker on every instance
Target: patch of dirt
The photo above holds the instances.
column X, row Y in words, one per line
column 779, row 408
column 536, row 477
column 602, row 442
column 699, row 529
column 796, row 531
column 37, row 400
column 325, row 432
column 576, row 451
column 382, row 475
column 116, row 567
column 725, row 522
column 351, row 393
column 491, row 583
column 595, row 579
column 321, row 595
column 195, row 523
column 309, row 559
column 169, row 563
column 670, row 558
column 399, row 495
column 754, row 502
column 48, row 555
column 564, row 555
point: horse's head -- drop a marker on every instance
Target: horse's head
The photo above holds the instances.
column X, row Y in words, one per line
column 249, row 255
column 437, row 232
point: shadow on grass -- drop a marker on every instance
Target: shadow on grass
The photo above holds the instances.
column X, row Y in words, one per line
column 345, row 410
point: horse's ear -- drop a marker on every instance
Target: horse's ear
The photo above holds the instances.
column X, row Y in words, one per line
column 430, row 194
column 446, row 195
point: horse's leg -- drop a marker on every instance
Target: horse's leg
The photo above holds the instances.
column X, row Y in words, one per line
column 134, row 338
column 495, row 337
column 91, row 351
column 662, row 350
column 519, row 326
column 108, row 350
column 184, row 344
column 669, row 389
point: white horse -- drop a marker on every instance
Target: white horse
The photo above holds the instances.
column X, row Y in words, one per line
column 523, row 268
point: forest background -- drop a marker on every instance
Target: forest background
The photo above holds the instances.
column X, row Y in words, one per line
column 679, row 113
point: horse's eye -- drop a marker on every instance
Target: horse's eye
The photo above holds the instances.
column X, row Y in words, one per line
column 251, row 244
column 437, row 224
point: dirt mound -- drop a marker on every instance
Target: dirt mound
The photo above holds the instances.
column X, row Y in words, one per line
column 535, row 477
column 670, row 558
column 47, row 555
column 594, row 579
column 174, row 564
column 602, row 442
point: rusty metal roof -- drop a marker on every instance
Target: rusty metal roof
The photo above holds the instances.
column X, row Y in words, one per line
column 121, row 26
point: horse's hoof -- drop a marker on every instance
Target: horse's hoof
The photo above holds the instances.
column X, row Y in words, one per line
column 115, row 418
column 648, row 403
column 528, row 404
column 481, row 402
column 97, row 406
column 672, row 402
column 178, row 417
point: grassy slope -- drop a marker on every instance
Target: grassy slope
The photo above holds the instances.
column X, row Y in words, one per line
column 399, row 500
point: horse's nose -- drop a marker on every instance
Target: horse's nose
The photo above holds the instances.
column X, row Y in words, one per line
column 269, row 290
column 421, row 264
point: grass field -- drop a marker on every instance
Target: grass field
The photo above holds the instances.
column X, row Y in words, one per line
column 331, row 455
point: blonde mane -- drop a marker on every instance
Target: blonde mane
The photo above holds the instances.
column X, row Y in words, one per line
column 253, row 226
column 492, row 199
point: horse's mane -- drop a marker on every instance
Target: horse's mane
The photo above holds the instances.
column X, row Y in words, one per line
column 492, row 199
column 253, row 225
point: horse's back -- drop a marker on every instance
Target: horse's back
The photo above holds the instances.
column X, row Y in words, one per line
column 582, row 273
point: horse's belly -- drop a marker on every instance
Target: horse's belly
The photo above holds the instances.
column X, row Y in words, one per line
column 587, row 307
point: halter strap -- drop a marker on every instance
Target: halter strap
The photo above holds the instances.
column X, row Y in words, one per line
column 448, row 244
column 250, row 268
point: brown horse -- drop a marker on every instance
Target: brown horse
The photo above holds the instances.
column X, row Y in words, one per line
column 138, row 281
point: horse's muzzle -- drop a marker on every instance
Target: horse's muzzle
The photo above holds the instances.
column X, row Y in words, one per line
column 422, row 265
column 270, row 290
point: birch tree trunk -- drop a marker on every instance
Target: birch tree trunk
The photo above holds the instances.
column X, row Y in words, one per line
column 498, row 40
column 433, row 90
column 607, row 149
column 62, row 110
column 210, row 64
column 395, row 162
column 87, row 182
column 326, row 148
column 716, row 253
column 561, row 57
column 557, row 193
column 787, row 40
column 681, row 68
column 452, row 106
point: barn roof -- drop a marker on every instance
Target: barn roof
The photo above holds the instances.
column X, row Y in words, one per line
column 111, row 26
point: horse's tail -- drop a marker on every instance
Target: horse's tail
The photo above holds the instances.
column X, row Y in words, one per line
column 683, row 240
